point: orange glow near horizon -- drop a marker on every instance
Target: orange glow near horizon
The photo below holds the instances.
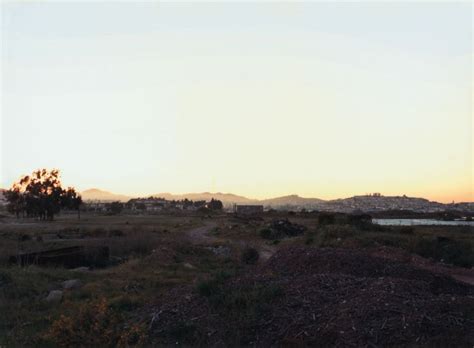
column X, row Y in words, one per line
column 324, row 100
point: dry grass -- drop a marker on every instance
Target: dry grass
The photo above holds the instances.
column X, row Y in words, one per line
column 155, row 256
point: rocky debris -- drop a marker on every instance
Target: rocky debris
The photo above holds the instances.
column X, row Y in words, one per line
column 54, row 296
column 188, row 265
column 80, row 269
column 220, row 250
column 327, row 297
column 72, row 284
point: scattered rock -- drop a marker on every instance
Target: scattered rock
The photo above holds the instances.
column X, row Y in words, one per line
column 80, row 269
column 72, row 284
column 54, row 296
column 188, row 265
column 220, row 250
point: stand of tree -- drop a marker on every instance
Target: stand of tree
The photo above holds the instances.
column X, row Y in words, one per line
column 41, row 196
column 215, row 204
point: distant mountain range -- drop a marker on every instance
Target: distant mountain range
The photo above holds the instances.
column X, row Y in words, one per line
column 226, row 198
column 292, row 200
column 100, row 195
column 363, row 203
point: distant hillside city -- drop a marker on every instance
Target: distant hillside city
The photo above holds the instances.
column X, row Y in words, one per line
column 100, row 200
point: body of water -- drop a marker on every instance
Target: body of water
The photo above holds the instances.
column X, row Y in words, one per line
column 412, row 222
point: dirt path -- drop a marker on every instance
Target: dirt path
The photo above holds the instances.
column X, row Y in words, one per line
column 200, row 235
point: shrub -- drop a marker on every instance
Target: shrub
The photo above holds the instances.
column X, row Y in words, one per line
column 5, row 279
column 407, row 230
column 244, row 303
column 96, row 232
column 326, row 219
column 213, row 286
column 309, row 238
column 338, row 231
column 181, row 332
column 96, row 324
column 266, row 233
column 459, row 253
column 237, row 300
column 249, row 256
column 125, row 303
column 116, row 233
column 134, row 243
column 24, row 237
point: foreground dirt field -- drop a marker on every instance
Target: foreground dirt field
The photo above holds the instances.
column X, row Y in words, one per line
column 214, row 280
column 323, row 297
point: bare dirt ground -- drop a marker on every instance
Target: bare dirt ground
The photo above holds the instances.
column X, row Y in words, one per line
column 200, row 235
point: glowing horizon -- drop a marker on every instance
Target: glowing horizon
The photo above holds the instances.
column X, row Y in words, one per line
column 323, row 100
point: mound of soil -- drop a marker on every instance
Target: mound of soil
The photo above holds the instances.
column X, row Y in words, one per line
column 323, row 297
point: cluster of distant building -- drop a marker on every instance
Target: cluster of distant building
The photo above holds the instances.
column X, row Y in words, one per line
column 155, row 205
column 150, row 205
column 378, row 203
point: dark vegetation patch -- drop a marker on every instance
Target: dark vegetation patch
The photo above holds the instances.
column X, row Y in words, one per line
column 94, row 324
column 453, row 245
column 249, row 256
column 281, row 228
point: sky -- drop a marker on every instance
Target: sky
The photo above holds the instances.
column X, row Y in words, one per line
column 262, row 99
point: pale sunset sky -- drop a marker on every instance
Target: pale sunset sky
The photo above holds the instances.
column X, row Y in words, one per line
column 262, row 99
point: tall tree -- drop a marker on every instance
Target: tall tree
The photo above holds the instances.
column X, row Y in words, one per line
column 116, row 207
column 215, row 204
column 72, row 200
column 41, row 195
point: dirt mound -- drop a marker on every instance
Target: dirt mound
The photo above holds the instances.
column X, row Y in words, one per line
column 465, row 275
column 308, row 261
column 312, row 296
